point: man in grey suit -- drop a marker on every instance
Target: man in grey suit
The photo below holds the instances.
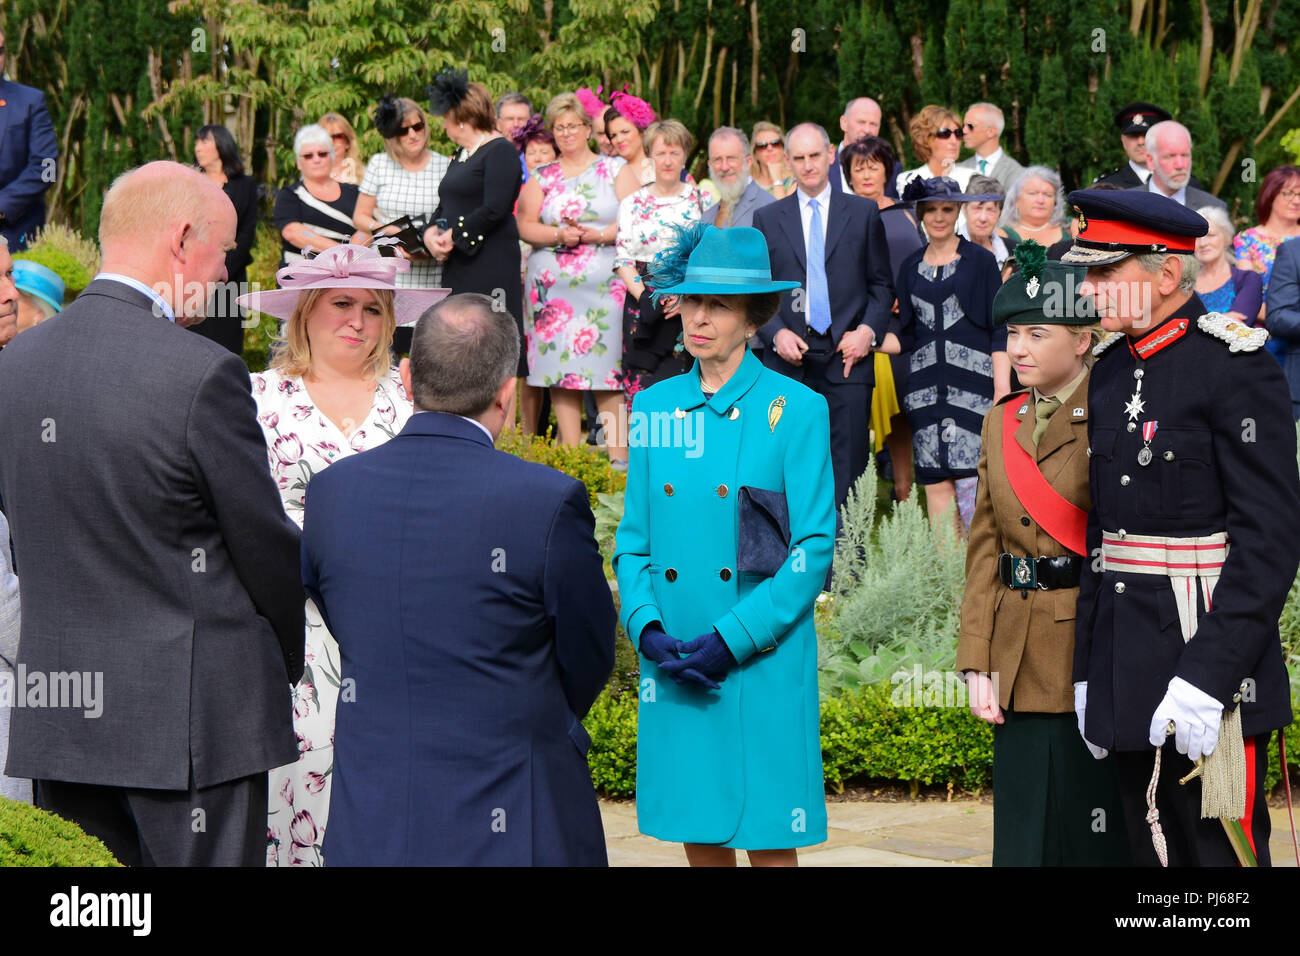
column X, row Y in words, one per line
column 1169, row 157
column 729, row 166
column 157, row 567
column 982, row 132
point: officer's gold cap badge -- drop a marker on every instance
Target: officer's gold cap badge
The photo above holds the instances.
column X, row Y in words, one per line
column 774, row 412
column 1083, row 220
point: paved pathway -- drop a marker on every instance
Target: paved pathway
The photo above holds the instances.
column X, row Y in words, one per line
column 869, row 833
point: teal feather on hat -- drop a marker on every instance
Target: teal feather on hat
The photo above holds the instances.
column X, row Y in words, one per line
column 669, row 266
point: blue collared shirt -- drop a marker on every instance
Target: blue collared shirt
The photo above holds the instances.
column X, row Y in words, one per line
column 161, row 307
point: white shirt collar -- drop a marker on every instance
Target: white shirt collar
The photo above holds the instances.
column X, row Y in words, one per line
column 1179, row 197
column 823, row 198
column 473, row 421
column 1143, row 173
column 161, row 306
column 991, row 160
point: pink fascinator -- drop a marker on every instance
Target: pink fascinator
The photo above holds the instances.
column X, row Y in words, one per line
column 343, row 267
column 633, row 109
column 591, row 102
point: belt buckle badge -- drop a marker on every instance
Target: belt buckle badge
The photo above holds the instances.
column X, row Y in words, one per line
column 1024, row 573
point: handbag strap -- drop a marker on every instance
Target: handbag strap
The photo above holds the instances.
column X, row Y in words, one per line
column 1062, row 519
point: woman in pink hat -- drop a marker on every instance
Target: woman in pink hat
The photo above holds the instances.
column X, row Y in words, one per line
column 331, row 391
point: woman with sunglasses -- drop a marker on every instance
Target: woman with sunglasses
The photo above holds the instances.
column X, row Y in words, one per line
column 402, row 181
column 315, row 213
column 348, row 167
column 769, row 167
column 936, row 141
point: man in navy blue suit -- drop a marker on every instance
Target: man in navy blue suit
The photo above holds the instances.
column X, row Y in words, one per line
column 28, row 152
column 833, row 244
column 475, row 625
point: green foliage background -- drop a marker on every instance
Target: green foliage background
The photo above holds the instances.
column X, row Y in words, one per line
column 132, row 80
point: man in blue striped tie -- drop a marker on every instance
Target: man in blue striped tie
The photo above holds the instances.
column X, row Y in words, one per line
column 833, row 243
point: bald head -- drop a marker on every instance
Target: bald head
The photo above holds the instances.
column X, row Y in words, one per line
column 861, row 118
column 168, row 226
column 1169, row 156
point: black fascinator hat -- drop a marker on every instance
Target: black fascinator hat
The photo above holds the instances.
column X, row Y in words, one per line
column 388, row 116
column 447, row 91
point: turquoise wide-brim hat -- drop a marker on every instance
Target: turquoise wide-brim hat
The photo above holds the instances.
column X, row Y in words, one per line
column 706, row 260
column 40, row 281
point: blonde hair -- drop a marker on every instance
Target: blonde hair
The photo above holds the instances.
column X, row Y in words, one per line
column 566, row 103
column 291, row 352
column 923, row 127
column 672, row 132
column 155, row 196
column 339, row 121
column 406, row 107
column 762, row 126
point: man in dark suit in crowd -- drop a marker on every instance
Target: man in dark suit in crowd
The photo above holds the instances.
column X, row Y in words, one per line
column 1133, row 120
column 834, row 244
column 28, row 152
column 1284, row 314
column 1169, row 157
column 729, row 159
column 159, row 572
column 466, row 592
column 861, row 117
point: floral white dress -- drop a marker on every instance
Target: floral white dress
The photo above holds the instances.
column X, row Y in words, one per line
column 300, row 442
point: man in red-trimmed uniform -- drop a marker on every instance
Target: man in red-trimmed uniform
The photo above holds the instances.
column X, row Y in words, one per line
column 1193, row 534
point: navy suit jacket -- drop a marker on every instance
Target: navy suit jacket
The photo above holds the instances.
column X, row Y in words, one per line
column 1283, row 317
column 857, row 276
column 476, row 628
column 26, row 141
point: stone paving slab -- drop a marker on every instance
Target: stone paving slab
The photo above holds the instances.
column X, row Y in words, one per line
column 869, row 833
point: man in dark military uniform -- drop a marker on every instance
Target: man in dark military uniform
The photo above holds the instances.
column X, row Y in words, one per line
column 1194, row 530
column 1133, row 122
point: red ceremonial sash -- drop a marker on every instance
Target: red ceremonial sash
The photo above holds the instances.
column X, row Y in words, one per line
column 1064, row 521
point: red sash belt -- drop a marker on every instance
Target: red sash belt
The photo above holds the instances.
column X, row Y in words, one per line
column 1064, row 521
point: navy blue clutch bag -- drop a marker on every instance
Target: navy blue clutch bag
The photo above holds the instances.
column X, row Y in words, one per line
column 764, row 538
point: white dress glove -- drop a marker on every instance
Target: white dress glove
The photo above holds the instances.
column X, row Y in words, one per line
column 1080, row 707
column 1195, row 715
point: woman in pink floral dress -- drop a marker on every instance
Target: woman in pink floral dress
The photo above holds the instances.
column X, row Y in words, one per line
column 330, row 392
column 574, row 329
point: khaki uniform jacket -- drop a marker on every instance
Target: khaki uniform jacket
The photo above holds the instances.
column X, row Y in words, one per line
column 1026, row 643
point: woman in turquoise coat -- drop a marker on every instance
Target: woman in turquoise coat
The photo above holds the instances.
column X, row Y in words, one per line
column 717, row 590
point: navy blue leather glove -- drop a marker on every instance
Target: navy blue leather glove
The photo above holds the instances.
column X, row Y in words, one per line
column 658, row 646
column 707, row 662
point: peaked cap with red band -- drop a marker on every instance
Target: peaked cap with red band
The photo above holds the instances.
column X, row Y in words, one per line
column 1115, row 223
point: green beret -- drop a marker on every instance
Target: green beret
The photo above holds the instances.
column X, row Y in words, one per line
column 1041, row 291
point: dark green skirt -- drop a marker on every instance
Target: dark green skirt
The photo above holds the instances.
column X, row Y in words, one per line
column 1053, row 804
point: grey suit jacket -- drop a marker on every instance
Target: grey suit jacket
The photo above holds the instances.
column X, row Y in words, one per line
column 1006, row 170
column 1196, row 198
column 754, row 197
column 152, row 549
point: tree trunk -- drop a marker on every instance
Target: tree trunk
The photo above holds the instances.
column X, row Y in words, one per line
column 735, row 74
column 1135, row 17
column 704, row 70
column 717, row 87
column 56, row 194
column 1207, row 49
column 1162, row 29
column 1229, row 160
column 918, row 57
column 1243, row 39
column 1268, row 128
column 756, row 45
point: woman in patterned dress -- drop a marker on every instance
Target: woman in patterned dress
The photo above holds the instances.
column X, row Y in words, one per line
column 959, row 364
column 330, row 392
column 573, row 322
column 402, row 181
column 652, row 331
column 1278, row 212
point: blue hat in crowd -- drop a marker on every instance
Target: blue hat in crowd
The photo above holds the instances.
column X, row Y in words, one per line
column 706, row 260
column 940, row 189
column 35, row 279
column 1115, row 223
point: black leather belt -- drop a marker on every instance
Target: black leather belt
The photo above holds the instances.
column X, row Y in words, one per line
column 1047, row 574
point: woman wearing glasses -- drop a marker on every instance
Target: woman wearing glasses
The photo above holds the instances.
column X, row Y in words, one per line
column 315, row 213
column 769, row 167
column 936, row 141
column 348, row 167
column 402, row 181
column 568, row 213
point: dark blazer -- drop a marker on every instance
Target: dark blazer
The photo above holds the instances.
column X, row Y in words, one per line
column 27, row 141
column 1196, row 198
column 754, row 198
column 224, row 322
column 1125, row 177
column 153, row 549
column 466, row 593
column 857, row 276
column 1283, row 317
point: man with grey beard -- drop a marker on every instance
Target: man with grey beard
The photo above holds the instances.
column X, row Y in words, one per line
column 729, row 166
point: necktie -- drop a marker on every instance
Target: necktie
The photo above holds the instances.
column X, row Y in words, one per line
column 819, row 296
column 1043, row 409
column 983, row 166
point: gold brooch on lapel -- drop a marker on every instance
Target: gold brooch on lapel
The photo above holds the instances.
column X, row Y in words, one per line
column 774, row 412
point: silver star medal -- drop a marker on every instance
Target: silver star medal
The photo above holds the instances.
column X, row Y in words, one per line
column 1135, row 405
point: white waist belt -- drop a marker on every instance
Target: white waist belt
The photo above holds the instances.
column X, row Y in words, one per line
column 1179, row 559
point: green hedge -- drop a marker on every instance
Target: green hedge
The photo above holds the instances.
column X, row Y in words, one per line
column 32, row 837
column 583, row 462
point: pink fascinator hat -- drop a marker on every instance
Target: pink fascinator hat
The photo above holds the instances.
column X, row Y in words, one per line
column 343, row 267
column 633, row 109
column 591, row 102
